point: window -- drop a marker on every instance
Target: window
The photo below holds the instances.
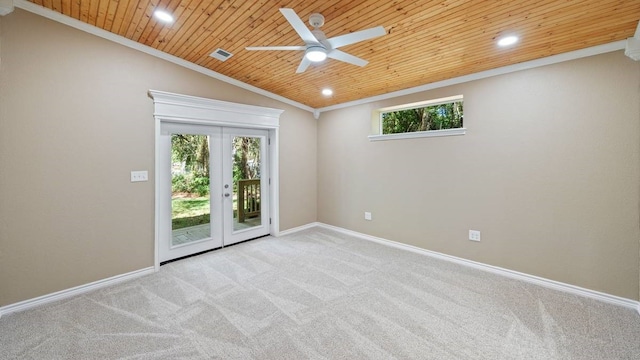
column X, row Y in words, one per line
column 439, row 117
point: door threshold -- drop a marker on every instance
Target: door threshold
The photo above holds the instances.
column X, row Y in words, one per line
column 244, row 241
column 210, row 250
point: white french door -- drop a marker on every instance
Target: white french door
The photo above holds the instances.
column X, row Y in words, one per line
column 214, row 187
column 246, row 173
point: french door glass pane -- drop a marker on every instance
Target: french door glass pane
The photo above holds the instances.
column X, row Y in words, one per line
column 246, row 182
column 190, row 200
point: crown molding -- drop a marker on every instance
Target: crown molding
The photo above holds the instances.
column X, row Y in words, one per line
column 77, row 24
column 6, row 7
column 554, row 59
column 573, row 55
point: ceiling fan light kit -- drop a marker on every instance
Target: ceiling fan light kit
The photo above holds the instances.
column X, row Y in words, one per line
column 315, row 53
column 317, row 47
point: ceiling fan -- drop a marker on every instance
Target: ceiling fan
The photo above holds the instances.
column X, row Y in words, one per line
column 317, row 47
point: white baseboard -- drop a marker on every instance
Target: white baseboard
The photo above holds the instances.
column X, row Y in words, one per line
column 572, row 289
column 298, row 229
column 552, row 284
column 63, row 294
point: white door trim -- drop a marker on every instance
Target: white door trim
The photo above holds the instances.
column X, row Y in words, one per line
column 170, row 107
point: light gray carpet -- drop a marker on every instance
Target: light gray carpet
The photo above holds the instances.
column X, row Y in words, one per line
column 319, row 294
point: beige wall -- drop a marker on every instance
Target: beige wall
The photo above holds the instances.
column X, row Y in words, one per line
column 548, row 172
column 75, row 119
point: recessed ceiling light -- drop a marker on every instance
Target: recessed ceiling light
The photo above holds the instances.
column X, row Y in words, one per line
column 327, row 92
column 163, row 16
column 508, row 40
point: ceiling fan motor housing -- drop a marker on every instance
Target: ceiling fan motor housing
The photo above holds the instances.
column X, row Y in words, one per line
column 321, row 37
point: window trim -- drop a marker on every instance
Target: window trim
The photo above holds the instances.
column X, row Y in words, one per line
column 416, row 134
column 419, row 134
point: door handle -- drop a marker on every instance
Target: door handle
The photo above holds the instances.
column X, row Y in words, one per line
column 226, row 194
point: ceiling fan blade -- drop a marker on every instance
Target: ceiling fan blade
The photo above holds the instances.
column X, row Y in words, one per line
column 299, row 26
column 304, row 64
column 281, row 48
column 348, row 58
column 354, row 37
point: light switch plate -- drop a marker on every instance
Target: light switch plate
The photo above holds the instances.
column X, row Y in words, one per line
column 137, row 176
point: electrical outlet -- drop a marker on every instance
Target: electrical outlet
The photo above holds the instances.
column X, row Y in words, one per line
column 474, row 235
column 139, row 176
column 367, row 216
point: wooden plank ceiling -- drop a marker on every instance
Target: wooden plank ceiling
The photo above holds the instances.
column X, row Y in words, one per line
column 426, row 41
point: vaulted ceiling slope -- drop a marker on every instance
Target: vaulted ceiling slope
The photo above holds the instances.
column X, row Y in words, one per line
column 426, row 41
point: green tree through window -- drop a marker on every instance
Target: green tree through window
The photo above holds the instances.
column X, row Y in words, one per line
column 433, row 117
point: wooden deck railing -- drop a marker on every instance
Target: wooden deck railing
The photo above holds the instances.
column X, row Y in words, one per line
column 248, row 199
